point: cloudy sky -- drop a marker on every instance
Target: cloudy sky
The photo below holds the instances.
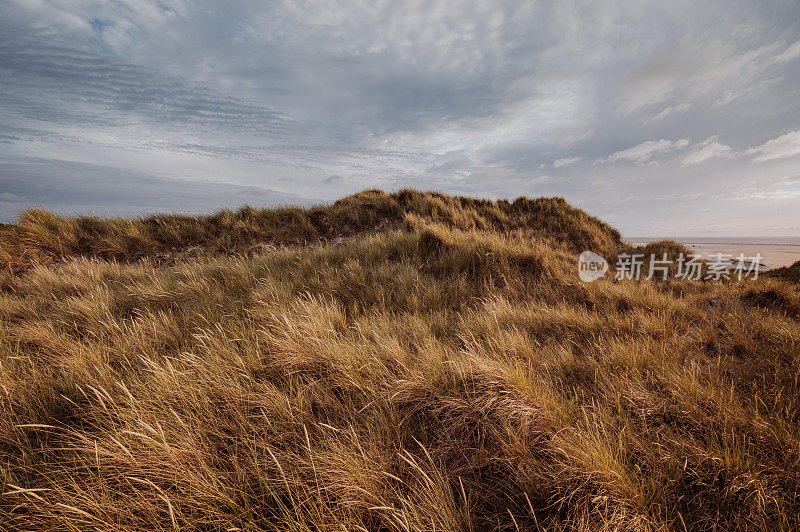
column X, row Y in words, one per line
column 663, row 118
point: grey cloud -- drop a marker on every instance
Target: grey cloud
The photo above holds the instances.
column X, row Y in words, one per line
column 558, row 163
column 320, row 100
column 74, row 188
column 454, row 165
column 667, row 111
column 569, row 140
column 708, row 149
column 787, row 145
column 65, row 84
column 644, row 152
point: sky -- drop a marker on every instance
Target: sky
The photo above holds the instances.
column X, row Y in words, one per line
column 662, row 118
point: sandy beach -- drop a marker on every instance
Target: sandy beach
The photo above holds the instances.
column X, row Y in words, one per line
column 772, row 255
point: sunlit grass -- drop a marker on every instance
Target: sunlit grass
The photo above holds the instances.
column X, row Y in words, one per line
column 440, row 368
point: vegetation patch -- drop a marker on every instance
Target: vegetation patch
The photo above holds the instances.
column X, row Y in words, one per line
column 407, row 361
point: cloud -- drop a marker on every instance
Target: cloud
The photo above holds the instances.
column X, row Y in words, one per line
column 696, row 66
column 730, row 95
column 458, row 164
column 558, row 163
column 708, row 149
column 787, row 145
column 675, row 109
column 11, row 198
column 468, row 98
column 790, row 53
column 569, row 140
column 79, row 188
column 91, row 96
column 641, row 153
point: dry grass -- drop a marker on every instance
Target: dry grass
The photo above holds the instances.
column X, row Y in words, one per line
column 789, row 273
column 43, row 238
column 442, row 368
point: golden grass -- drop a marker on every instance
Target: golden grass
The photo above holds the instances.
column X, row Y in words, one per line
column 42, row 237
column 441, row 368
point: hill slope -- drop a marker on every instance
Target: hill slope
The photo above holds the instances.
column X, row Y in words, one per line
column 42, row 237
column 430, row 363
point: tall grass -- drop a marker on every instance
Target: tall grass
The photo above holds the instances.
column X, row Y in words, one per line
column 42, row 237
column 445, row 370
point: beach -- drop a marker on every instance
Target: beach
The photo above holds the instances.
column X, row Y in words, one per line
column 774, row 254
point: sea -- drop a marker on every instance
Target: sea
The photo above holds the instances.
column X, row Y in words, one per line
column 774, row 251
column 745, row 240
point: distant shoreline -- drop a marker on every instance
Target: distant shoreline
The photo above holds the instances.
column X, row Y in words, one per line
column 722, row 240
column 773, row 254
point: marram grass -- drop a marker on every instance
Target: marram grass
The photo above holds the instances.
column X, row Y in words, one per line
column 398, row 362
